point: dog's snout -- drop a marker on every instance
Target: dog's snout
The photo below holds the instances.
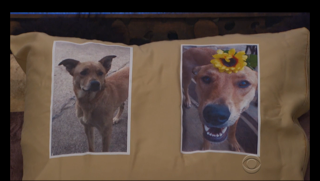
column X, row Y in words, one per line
column 94, row 85
column 216, row 114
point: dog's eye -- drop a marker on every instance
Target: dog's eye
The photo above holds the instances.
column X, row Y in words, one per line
column 244, row 84
column 206, row 79
column 99, row 73
column 84, row 72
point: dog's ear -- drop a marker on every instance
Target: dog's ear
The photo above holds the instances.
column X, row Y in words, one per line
column 196, row 70
column 70, row 64
column 106, row 61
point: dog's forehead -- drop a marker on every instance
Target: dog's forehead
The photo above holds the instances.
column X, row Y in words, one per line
column 210, row 70
column 89, row 65
column 246, row 74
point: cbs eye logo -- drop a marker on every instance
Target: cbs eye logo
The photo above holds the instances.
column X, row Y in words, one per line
column 251, row 164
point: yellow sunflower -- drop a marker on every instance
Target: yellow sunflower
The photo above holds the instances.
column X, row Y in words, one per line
column 229, row 62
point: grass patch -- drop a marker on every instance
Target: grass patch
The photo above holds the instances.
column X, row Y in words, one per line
column 252, row 61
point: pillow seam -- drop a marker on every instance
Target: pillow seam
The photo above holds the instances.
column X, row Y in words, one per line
column 304, row 104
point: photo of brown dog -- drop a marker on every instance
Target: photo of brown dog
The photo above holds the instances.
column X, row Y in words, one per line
column 220, row 88
column 95, row 78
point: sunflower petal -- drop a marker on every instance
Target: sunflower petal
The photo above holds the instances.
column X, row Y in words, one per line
column 238, row 57
column 225, row 55
column 241, row 53
column 219, row 51
column 232, row 52
column 216, row 56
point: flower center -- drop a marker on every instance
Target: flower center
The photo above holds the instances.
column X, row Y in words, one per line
column 233, row 62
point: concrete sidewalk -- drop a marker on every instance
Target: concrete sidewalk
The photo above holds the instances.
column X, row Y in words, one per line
column 68, row 134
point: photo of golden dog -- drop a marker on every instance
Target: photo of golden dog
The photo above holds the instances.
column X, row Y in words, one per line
column 222, row 94
column 91, row 99
column 98, row 97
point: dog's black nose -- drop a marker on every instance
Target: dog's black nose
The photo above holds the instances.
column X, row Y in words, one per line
column 216, row 114
column 94, row 85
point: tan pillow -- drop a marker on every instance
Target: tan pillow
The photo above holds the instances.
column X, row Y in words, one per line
column 147, row 141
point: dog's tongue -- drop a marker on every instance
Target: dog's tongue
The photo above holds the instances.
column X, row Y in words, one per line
column 215, row 130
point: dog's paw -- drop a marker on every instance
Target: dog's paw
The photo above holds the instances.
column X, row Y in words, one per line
column 187, row 104
column 116, row 120
column 83, row 120
column 235, row 146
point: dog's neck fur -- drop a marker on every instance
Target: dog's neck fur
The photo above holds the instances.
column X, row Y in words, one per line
column 88, row 102
column 86, row 97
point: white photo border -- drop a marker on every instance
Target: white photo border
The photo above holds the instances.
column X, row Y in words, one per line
column 259, row 105
column 129, row 104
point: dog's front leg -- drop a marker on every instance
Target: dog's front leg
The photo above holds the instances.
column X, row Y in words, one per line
column 106, row 137
column 90, row 137
column 235, row 146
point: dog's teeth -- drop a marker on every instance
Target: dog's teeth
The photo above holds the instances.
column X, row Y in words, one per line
column 224, row 130
column 220, row 134
column 208, row 133
column 206, row 128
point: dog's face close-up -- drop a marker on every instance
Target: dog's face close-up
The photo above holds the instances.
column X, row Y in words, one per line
column 222, row 98
column 88, row 76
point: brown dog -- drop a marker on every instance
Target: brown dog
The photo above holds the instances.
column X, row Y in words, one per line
column 98, row 97
column 222, row 96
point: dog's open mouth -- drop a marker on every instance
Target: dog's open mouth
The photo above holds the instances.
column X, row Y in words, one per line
column 215, row 134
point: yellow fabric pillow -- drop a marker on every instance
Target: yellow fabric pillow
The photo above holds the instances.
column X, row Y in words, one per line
column 150, row 144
